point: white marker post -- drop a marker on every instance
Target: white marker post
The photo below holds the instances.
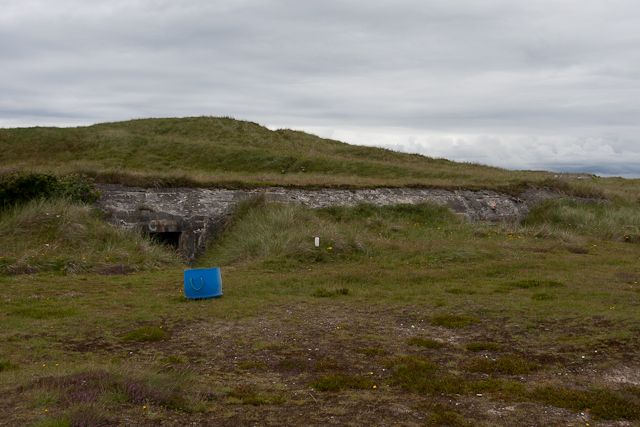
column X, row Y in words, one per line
column 316, row 241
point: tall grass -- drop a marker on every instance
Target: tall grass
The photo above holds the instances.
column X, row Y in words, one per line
column 59, row 235
column 609, row 220
column 282, row 231
column 271, row 231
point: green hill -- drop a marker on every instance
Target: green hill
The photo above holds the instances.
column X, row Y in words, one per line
column 402, row 314
column 207, row 151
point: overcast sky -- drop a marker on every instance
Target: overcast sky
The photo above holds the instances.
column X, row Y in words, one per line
column 551, row 84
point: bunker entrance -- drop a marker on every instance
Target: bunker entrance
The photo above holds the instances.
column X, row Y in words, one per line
column 168, row 238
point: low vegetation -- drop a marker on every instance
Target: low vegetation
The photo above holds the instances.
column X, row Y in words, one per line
column 483, row 346
column 303, row 334
column 249, row 395
column 338, row 382
column 604, row 219
column 602, row 403
column 66, row 237
column 424, row 342
column 146, row 334
column 508, row 365
column 452, row 321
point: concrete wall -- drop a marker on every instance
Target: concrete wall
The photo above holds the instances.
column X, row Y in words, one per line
column 200, row 213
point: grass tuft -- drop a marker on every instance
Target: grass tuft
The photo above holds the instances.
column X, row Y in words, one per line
column 452, row 321
column 43, row 310
column 249, row 395
column 542, row 297
column 339, row 382
column 62, row 421
column 252, row 365
column 442, row 415
column 88, row 415
column 508, row 365
column 146, row 334
column 424, row 342
column 89, row 387
column 420, row 375
column 371, row 351
column 483, row 346
column 326, row 293
column 6, row 365
column 601, row 403
column 460, row 291
column 534, row 283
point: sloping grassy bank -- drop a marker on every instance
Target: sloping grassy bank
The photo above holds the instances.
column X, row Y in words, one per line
column 208, row 151
column 69, row 237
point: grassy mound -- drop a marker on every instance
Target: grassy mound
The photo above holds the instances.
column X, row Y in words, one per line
column 285, row 233
column 204, row 151
column 58, row 235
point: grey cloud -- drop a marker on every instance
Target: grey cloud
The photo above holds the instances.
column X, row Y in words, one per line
column 552, row 72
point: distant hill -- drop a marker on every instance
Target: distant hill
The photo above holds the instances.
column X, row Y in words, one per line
column 209, row 151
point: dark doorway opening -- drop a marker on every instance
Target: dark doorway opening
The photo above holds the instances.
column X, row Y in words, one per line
column 171, row 238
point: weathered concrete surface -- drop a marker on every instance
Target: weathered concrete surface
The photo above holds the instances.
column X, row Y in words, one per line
column 199, row 213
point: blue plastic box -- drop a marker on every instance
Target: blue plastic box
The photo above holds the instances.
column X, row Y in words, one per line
column 201, row 283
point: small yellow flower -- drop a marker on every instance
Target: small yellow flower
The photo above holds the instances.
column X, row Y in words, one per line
column 144, row 407
column 375, row 386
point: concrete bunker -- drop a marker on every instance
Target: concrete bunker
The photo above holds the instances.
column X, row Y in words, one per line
column 188, row 218
column 165, row 232
column 167, row 238
column 187, row 235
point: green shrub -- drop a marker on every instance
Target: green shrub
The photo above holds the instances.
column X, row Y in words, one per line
column 16, row 189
